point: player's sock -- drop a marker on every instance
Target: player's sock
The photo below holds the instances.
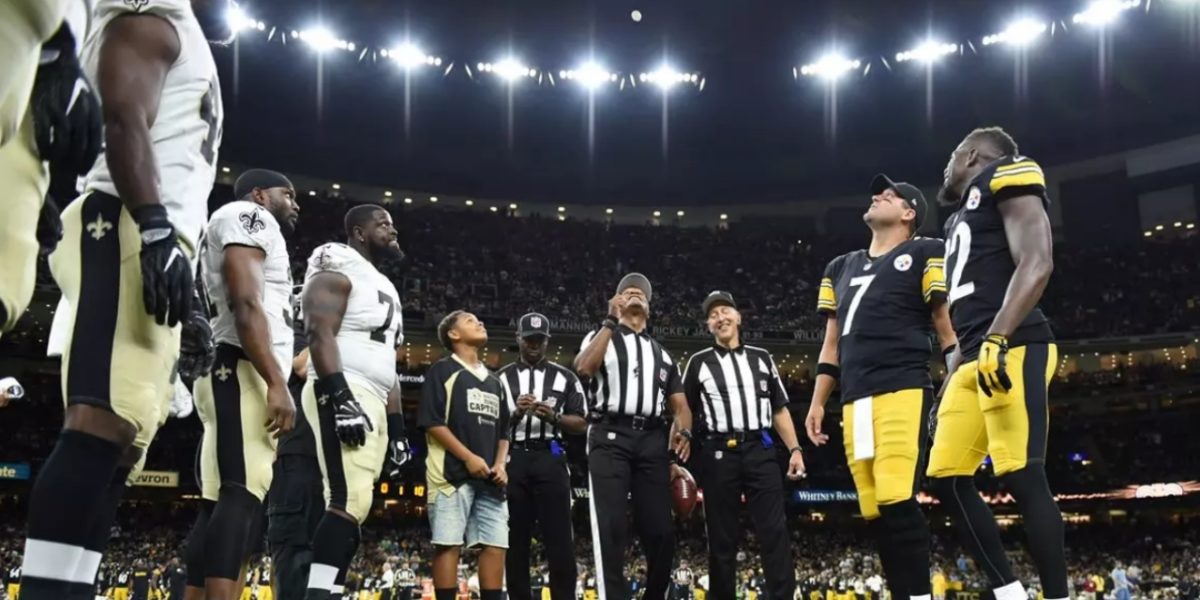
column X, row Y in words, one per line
column 193, row 554
column 491, row 594
column 1043, row 527
column 225, row 537
column 893, row 575
column 339, row 582
column 909, row 535
column 976, row 527
column 97, row 540
column 444, row 594
column 334, row 544
column 63, row 504
column 1011, row 591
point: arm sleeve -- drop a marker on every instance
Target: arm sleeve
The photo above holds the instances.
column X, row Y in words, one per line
column 692, row 389
column 576, row 402
column 503, row 425
column 1017, row 176
column 674, row 383
column 779, row 397
column 431, row 412
column 933, row 280
column 826, row 296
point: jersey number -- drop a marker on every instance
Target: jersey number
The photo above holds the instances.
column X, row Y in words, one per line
column 208, row 114
column 380, row 333
column 861, row 282
column 960, row 242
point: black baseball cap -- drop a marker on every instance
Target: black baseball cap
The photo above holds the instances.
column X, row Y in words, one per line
column 261, row 179
column 635, row 280
column 533, row 324
column 907, row 191
column 717, row 298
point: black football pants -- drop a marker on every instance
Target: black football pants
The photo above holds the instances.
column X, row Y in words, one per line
column 295, row 506
column 726, row 473
column 621, row 461
column 539, row 488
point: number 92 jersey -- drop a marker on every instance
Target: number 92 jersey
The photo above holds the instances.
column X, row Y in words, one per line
column 883, row 309
column 372, row 325
column 979, row 263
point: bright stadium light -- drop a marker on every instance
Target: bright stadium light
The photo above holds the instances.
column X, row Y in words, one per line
column 239, row 21
column 927, row 52
column 666, row 77
column 1103, row 12
column 323, row 40
column 410, row 56
column 590, row 75
column 508, row 69
column 1019, row 33
column 830, row 67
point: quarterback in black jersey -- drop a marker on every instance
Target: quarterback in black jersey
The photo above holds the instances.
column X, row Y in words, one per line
column 882, row 305
column 998, row 262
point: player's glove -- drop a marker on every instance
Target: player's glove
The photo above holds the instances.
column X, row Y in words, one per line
column 993, row 365
column 350, row 421
column 196, row 349
column 66, row 113
column 399, row 451
column 166, row 271
column 49, row 227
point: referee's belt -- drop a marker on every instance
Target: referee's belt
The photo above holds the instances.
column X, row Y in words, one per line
column 733, row 439
column 638, row 423
column 532, row 444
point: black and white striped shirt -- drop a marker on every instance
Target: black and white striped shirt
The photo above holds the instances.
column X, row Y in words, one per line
column 548, row 382
column 636, row 377
column 734, row 390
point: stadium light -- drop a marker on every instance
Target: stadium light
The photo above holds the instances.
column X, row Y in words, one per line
column 679, row 213
column 927, row 52
column 469, row 202
column 323, row 40
column 830, row 67
column 508, row 69
column 337, row 186
column 408, row 200
column 590, row 75
column 410, row 56
column 1019, row 33
column 387, row 194
column 724, row 217
column 512, row 206
column 433, row 199
column 239, row 21
column 1103, row 12
column 562, row 209
column 608, row 211
column 666, row 77
column 658, row 213
column 493, row 209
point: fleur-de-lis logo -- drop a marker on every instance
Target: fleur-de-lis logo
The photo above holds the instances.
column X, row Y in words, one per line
column 137, row 5
column 223, row 373
column 252, row 222
column 323, row 399
column 99, row 227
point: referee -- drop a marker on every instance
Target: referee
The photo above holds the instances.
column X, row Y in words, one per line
column 548, row 398
column 737, row 391
column 632, row 378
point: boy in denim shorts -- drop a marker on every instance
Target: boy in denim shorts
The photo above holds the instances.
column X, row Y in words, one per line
column 464, row 413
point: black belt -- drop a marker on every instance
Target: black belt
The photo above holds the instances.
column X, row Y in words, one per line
column 638, row 423
column 733, row 439
column 532, row 444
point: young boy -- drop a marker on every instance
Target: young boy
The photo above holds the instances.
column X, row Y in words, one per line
column 464, row 413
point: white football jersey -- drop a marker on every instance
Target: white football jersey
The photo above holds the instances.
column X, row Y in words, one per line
column 242, row 223
column 187, row 131
column 372, row 327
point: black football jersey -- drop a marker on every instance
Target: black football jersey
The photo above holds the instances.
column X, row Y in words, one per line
column 979, row 263
column 882, row 307
column 474, row 406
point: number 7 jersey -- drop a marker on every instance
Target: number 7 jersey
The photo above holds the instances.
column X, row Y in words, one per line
column 372, row 326
column 979, row 263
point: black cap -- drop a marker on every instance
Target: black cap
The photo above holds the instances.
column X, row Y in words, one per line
column 717, row 298
column 259, row 178
column 635, row 280
column 533, row 324
column 907, row 191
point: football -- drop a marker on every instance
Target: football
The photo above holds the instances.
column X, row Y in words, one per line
column 683, row 494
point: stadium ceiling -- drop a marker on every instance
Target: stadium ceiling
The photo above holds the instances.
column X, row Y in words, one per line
column 695, row 101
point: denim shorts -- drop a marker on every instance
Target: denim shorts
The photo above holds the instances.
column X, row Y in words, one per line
column 469, row 515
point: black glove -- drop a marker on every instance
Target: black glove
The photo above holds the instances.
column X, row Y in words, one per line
column 196, row 349
column 66, row 113
column 350, row 421
column 49, row 227
column 399, row 451
column 166, row 271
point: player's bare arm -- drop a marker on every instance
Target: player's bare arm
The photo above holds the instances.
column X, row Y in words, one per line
column 1027, row 227
column 137, row 53
column 947, row 340
column 324, row 305
column 824, row 384
column 242, row 271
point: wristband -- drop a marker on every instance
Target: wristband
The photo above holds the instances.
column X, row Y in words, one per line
column 796, row 450
column 686, row 433
column 829, row 369
column 395, row 423
column 610, row 323
column 149, row 212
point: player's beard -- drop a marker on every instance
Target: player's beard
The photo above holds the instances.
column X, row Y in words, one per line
column 388, row 253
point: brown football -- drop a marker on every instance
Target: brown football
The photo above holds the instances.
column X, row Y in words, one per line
column 683, row 494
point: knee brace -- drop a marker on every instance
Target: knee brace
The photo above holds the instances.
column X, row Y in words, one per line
column 225, row 539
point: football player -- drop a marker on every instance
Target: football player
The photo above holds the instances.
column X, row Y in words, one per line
column 124, row 264
column 998, row 256
column 352, row 398
column 879, row 303
column 244, row 401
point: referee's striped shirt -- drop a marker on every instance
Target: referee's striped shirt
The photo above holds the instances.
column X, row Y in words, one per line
column 636, row 377
column 548, row 382
column 735, row 390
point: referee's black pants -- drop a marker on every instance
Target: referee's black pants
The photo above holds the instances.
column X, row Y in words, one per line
column 622, row 460
column 539, row 488
column 726, row 473
column 295, row 506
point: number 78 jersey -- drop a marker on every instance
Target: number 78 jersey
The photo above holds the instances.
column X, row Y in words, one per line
column 979, row 264
column 372, row 326
column 883, row 310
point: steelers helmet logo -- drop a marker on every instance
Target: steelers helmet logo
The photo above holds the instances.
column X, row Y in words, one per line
column 903, row 262
column 973, row 198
